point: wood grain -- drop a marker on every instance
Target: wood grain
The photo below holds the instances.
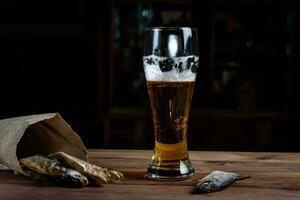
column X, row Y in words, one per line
column 273, row 176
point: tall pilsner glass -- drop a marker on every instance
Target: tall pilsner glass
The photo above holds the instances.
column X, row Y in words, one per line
column 170, row 66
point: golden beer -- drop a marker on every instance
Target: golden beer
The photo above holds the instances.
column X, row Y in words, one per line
column 170, row 104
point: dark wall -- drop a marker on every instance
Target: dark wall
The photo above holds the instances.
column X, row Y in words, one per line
column 50, row 58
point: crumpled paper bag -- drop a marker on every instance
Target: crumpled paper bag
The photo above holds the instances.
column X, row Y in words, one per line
column 42, row 134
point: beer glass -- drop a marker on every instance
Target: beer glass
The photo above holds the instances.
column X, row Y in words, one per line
column 170, row 65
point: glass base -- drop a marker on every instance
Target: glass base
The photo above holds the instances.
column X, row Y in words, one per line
column 170, row 171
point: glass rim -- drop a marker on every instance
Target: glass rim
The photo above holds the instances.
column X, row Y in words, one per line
column 170, row 28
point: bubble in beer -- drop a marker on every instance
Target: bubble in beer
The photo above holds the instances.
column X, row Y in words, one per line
column 170, row 69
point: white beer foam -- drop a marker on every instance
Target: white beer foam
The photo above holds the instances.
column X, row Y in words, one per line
column 154, row 73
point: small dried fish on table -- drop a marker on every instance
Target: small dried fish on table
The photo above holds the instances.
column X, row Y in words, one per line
column 43, row 167
column 95, row 174
column 216, row 181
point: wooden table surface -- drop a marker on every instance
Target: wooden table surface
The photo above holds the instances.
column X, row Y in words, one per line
column 273, row 176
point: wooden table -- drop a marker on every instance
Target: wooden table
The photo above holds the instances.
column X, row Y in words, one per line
column 274, row 176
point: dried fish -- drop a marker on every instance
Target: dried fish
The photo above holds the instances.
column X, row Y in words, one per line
column 40, row 165
column 216, row 181
column 96, row 174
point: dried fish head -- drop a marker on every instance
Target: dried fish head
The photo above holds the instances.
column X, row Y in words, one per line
column 38, row 164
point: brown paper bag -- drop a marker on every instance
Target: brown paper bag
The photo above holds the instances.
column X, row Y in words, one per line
column 42, row 134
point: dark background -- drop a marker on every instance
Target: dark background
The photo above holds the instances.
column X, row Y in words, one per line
column 83, row 59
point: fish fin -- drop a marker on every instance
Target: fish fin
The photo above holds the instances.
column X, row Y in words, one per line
column 241, row 177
